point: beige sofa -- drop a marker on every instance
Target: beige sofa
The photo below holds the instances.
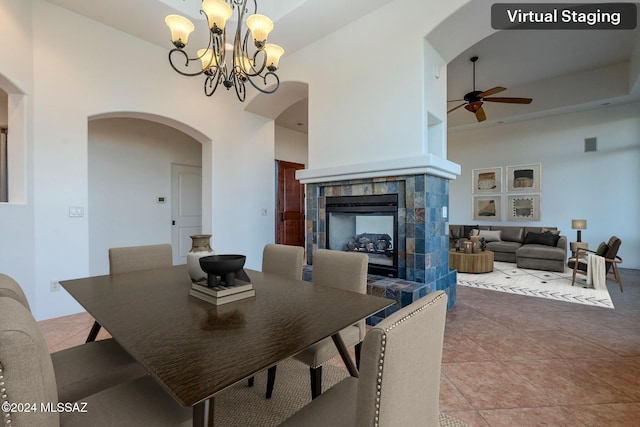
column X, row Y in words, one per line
column 538, row 248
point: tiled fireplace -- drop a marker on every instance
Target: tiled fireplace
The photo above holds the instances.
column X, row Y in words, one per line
column 422, row 241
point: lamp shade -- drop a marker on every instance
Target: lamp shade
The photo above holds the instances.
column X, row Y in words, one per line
column 260, row 27
column 208, row 61
column 579, row 224
column 218, row 12
column 274, row 52
column 180, row 28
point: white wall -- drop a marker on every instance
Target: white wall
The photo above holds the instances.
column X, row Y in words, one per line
column 71, row 69
column 367, row 87
column 291, row 146
column 129, row 167
column 601, row 187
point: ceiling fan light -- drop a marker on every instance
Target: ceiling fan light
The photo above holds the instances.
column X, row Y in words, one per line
column 180, row 28
column 473, row 106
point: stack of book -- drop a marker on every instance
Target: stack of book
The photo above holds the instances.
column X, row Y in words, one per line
column 221, row 294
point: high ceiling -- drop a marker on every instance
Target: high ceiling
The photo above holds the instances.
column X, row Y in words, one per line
column 561, row 70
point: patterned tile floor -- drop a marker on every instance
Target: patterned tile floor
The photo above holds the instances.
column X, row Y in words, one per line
column 513, row 360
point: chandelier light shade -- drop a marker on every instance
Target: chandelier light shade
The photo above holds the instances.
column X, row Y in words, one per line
column 250, row 58
column 180, row 28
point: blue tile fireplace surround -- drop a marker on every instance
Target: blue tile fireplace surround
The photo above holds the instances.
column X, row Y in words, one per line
column 423, row 243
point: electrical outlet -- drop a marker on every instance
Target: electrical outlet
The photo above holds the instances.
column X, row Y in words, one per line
column 55, row 286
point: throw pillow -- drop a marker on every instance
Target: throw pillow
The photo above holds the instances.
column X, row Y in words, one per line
column 547, row 239
column 491, row 235
column 549, row 230
column 454, row 232
column 602, row 249
column 466, row 230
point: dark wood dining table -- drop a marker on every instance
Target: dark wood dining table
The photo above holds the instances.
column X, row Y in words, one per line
column 195, row 349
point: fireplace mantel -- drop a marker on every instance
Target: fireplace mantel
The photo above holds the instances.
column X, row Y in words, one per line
column 424, row 164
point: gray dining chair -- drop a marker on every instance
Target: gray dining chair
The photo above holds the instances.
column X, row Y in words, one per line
column 399, row 383
column 12, row 289
column 285, row 261
column 87, row 368
column 134, row 258
column 27, row 374
column 342, row 270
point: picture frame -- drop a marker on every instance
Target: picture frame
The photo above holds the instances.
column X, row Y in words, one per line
column 524, row 178
column 487, row 208
column 523, row 207
column 487, row 180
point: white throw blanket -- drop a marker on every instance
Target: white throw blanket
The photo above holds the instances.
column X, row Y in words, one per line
column 596, row 272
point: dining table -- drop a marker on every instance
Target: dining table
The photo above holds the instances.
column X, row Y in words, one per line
column 195, row 349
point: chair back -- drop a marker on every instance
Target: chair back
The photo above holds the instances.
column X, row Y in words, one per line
column 134, row 258
column 10, row 288
column 400, row 363
column 613, row 245
column 283, row 260
column 342, row 270
column 25, row 367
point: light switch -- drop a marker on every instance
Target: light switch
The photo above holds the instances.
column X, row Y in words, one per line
column 76, row 211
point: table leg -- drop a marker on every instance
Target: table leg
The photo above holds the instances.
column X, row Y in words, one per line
column 203, row 413
column 344, row 353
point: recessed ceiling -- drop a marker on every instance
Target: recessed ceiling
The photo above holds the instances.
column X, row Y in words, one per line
column 527, row 63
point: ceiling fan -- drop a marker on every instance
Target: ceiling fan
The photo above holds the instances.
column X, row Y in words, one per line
column 473, row 100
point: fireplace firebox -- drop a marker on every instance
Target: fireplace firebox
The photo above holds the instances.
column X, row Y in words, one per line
column 366, row 224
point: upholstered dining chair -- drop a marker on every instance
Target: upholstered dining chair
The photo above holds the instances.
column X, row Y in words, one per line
column 286, row 261
column 134, row 258
column 609, row 252
column 84, row 369
column 342, row 270
column 399, row 382
column 12, row 289
column 28, row 374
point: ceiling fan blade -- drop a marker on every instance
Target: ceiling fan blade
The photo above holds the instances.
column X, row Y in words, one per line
column 480, row 115
column 457, row 100
column 455, row 108
column 491, row 91
column 510, row 100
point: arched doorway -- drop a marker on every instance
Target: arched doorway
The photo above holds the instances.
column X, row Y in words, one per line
column 132, row 162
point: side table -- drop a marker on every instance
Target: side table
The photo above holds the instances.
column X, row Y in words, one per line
column 481, row 262
column 574, row 246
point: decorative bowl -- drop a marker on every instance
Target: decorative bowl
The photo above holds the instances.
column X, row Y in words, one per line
column 224, row 266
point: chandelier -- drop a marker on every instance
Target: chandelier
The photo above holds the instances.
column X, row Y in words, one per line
column 252, row 57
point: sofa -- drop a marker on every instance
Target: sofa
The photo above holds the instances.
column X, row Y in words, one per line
column 538, row 248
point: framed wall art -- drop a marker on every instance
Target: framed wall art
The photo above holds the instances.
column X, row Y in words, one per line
column 524, row 178
column 488, row 180
column 523, row 207
column 487, row 208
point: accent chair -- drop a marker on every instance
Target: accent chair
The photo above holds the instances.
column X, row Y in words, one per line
column 134, row 258
column 399, row 383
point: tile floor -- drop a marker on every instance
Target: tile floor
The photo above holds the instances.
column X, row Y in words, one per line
column 512, row 360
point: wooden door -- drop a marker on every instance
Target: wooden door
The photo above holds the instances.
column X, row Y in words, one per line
column 290, row 205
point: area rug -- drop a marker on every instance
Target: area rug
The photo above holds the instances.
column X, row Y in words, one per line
column 247, row 407
column 507, row 277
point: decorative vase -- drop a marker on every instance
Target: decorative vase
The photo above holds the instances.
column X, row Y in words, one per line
column 483, row 244
column 468, row 247
column 476, row 244
column 200, row 247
